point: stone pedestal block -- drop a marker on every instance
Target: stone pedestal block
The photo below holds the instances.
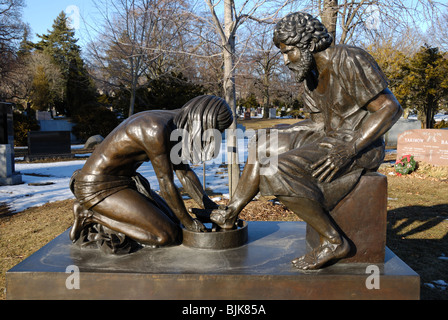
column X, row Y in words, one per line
column 362, row 217
column 258, row 270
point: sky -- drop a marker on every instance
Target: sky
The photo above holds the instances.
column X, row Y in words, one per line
column 40, row 14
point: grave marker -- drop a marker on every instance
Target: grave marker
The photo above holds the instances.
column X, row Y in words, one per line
column 428, row 145
column 48, row 143
column 8, row 176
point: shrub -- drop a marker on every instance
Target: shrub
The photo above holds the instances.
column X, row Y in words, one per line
column 441, row 124
column 93, row 121
column 22, row 125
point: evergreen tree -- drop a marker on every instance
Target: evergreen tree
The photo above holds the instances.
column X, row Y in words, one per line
column 249, row 102
column 26, row 46
column 61, row 45
column 166, row 92
column 171, row 91
column 425, row 83
column 80, row 99
column 394, row 64
column 80, row 91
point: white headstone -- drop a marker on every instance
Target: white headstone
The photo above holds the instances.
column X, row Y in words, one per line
column 7, row 174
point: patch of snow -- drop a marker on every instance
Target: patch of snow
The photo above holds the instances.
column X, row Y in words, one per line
column 443, row 257
column 49, row 182
column 437, row 284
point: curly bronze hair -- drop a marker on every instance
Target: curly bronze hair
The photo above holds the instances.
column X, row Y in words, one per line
column 300, row 29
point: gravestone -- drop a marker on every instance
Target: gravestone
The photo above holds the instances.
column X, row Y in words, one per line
column 93, row 141
column 7, row 128
column 8, row 176
column 59, row 124
column 398, row 128
column 48, row 143
column 272, row 113
column 428, row 145
column 43, row 115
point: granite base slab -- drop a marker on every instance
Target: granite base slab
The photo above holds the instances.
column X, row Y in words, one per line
column 258, row 270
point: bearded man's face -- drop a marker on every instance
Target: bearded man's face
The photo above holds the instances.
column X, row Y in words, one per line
column 298, row 61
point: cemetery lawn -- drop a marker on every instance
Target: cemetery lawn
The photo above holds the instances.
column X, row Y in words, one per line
column 265, row 123
column 417, row 230
column 417, row 226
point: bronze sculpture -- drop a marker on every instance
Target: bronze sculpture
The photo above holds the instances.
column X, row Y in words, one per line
column 321, row 159
column 115, row 204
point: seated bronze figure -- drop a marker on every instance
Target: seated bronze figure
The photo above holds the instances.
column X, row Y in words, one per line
column 321, row 159
column 114, row 202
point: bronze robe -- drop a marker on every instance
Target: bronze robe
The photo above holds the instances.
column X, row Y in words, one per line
column 344, row 87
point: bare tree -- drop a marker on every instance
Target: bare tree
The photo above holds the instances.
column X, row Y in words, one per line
column 258, row 10
column 266, row 59
column 437, row 33
column 18, row 86
column 348, row 20
column 208, row 68
column 11, row 30
column 134, row 41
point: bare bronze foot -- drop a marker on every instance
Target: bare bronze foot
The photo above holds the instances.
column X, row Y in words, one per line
column 223, row 217
column 81, row 215
column 322, row 254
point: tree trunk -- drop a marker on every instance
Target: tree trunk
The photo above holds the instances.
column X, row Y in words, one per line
column 266, row 95
column 430, row 115
column 266, row 112
column 330, row 17
column 132, row 102
column 426, row 117
column 230, row 97
column 133, row 87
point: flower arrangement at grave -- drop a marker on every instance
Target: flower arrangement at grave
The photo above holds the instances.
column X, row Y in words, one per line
column 406, row 165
